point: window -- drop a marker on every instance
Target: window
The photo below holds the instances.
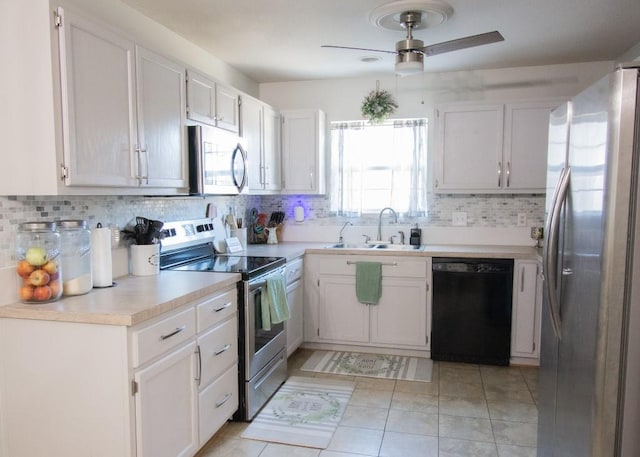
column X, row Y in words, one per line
column 373, row 166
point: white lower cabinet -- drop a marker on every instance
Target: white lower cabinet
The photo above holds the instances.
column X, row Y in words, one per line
column 526, row 309
column 165, row 406
column 333, row 314
column 158, row 389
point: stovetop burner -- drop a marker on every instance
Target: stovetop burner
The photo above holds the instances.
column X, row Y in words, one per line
column 248, row 266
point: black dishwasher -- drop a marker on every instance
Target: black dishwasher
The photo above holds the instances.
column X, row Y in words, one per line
column 472, row 310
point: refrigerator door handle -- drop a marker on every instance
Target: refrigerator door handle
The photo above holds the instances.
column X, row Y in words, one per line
column 551, row 250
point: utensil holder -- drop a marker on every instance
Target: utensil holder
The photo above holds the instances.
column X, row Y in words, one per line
column 145, row 259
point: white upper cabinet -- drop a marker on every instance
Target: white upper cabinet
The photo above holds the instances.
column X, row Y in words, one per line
column 212, row 103
column 492, row 148
column 122, row 111
column 98, row 104
column 469, row 149
column 303, row 151
column 162, row 154
column 261, row 129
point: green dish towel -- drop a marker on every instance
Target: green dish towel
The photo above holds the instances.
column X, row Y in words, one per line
column 274, row 307
column 368, row 282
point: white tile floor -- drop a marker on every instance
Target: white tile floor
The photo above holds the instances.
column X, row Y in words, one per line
column 466, row 411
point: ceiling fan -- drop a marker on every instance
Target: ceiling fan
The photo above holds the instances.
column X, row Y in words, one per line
column 410, row 52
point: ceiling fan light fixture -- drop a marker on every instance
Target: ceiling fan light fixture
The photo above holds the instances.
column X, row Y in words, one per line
column 409, row 63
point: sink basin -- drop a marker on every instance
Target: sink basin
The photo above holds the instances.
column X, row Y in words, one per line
column 385, row 246
column 399, row 247
column 350, row 246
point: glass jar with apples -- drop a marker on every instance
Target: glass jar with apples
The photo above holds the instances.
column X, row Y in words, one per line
column 38, row 268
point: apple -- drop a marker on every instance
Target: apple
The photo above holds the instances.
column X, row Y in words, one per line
column 42, row 293
column 39, row 277
column 36, row 256
column 25, row 268
column 50, row 267
column 26, row 292
column 55, row 288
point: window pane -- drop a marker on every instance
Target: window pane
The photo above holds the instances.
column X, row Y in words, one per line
column 378, row 166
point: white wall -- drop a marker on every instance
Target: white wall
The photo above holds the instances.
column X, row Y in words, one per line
column 417, row 95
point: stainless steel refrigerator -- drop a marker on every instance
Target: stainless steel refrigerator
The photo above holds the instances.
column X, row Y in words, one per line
column 589, row 386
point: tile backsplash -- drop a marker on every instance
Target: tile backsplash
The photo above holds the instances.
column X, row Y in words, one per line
column 482, row 210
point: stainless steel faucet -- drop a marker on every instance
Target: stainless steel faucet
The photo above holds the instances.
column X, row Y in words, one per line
column 395, row 216
column 342, row 230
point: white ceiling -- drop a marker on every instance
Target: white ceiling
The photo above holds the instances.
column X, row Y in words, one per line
column 279, row 40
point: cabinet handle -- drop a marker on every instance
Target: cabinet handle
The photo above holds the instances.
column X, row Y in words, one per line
column 508, row 173
column 499, row 174
column 225, row 306
column 224, row 400
column 199, row 374
column 146, row 155
column 311, row 180
column 224, row 349
column 175, row 332
column 522, row 279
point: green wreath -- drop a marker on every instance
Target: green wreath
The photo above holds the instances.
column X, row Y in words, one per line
column 378, row 105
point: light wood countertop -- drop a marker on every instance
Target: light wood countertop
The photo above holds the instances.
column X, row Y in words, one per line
column 132, row 300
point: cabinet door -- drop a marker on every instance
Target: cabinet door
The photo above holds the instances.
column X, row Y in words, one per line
column 162, row 155
column 252, row 133
column 525, row 333
column 271, row 149
column 303, row 151
column 400, row 317
column 98, row 104
column 469, row 148
column 341, row 317
column 526, row 142
column 294, row 323
column 165, row 404
column 201, row 98
column 227, row 108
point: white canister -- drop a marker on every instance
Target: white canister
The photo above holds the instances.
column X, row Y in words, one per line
column 145, row 259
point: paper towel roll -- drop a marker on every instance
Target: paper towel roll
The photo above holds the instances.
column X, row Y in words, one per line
column 298, row 212
column 101, row 257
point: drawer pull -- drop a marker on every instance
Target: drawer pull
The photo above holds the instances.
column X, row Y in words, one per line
column 224, row 400
column 175, row 332
column 225, row 306
column 384, row 264
column 224, row 349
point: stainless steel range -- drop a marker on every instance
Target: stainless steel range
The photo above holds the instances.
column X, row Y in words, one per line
column 188, row 246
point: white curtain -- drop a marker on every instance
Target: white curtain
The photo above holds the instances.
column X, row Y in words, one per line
column 373, row 166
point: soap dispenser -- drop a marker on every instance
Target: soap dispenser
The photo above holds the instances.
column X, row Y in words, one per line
column 416, row 235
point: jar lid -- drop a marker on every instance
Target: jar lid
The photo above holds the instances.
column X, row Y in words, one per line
column 72, row 224
column 38, row 226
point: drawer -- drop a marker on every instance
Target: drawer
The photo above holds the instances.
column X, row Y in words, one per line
column 154, row 339
column 217, row 308
column 293, row 271
column 218, row 402
column 401, row 267
column 218, row 350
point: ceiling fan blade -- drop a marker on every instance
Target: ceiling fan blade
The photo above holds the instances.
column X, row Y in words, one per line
column 462, row 43
column 356, row 49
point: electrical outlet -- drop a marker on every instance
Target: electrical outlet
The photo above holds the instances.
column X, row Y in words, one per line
column 522, row 219
column 459, row 218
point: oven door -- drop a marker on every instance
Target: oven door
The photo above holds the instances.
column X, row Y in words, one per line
column 261, row 345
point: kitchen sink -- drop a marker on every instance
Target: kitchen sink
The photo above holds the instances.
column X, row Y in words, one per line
column 382, row 246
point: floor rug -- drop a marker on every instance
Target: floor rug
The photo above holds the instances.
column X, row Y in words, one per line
column 371, row 365
column 303, row 412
